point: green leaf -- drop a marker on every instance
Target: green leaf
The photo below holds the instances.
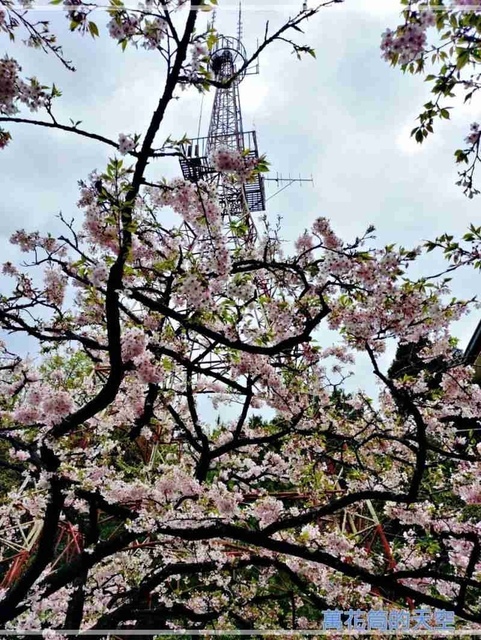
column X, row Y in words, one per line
column 419, row 137
column 463, row 59
column 93, row 29
column 56, row 93
column 212, row 40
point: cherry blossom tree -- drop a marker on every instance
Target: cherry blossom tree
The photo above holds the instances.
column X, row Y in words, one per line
column 441, row 40
column 148, row 513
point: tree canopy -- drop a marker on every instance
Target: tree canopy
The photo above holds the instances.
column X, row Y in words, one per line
column 125, row 507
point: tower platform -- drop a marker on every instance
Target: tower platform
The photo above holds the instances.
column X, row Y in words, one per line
column 196, row 164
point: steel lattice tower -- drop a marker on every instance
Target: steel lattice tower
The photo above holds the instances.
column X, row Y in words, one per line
column 226, row 121
column 226, row 130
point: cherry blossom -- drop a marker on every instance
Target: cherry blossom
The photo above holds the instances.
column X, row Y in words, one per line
column 182, row 441
column 126, row 144
column 233, row 161
column 473, row 137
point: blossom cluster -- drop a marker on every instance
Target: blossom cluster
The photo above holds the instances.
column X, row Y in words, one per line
column 408, row 42
column 12, row 88
column 9, row 69
column 43, row 405
column 234, row 161
column 149, row 32
column 323, row 230
column 408, row 45
column 55, row 283
column 126, row 144
column 134, row 343
column 195, row 291
column 473, row 137
column 99, row 275
column 154, row 32
column 33, row 240
column 134, row 349
column 199, row 55
column 197, row 204
column 268, row 510
column 101, row 230
column 122, row 27
column 467, row 484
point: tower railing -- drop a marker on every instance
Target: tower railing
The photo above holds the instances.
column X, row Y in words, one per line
column 197, row 165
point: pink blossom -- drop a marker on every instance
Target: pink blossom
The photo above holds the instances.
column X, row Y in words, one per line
column 134, row 343
column 9, row 69
column 226, row 501
column 473, row 137
column 154, row 32
column 233, row 161
column 19, row 454
column 126, row 144
column 195, row 292
column 99, row 275
column 27, row 415
column 268, row 511
column 147, row 369
column 304, row 243
column 56, row 405
column 427, row 17
column 26, row 241
column 8, row 269
column 408, row 42
column 123, row 26
column 55, row 283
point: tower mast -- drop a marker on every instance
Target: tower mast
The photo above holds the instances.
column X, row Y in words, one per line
column 226, row 131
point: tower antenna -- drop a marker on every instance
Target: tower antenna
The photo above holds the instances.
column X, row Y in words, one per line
column 239, row 23
column 211, row 24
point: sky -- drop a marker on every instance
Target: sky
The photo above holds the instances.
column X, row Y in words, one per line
column 343, row 119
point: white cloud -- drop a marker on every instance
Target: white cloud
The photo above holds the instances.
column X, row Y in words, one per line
column 383, row 8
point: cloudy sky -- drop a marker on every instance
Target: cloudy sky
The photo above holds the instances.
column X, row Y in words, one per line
column 343, row 118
